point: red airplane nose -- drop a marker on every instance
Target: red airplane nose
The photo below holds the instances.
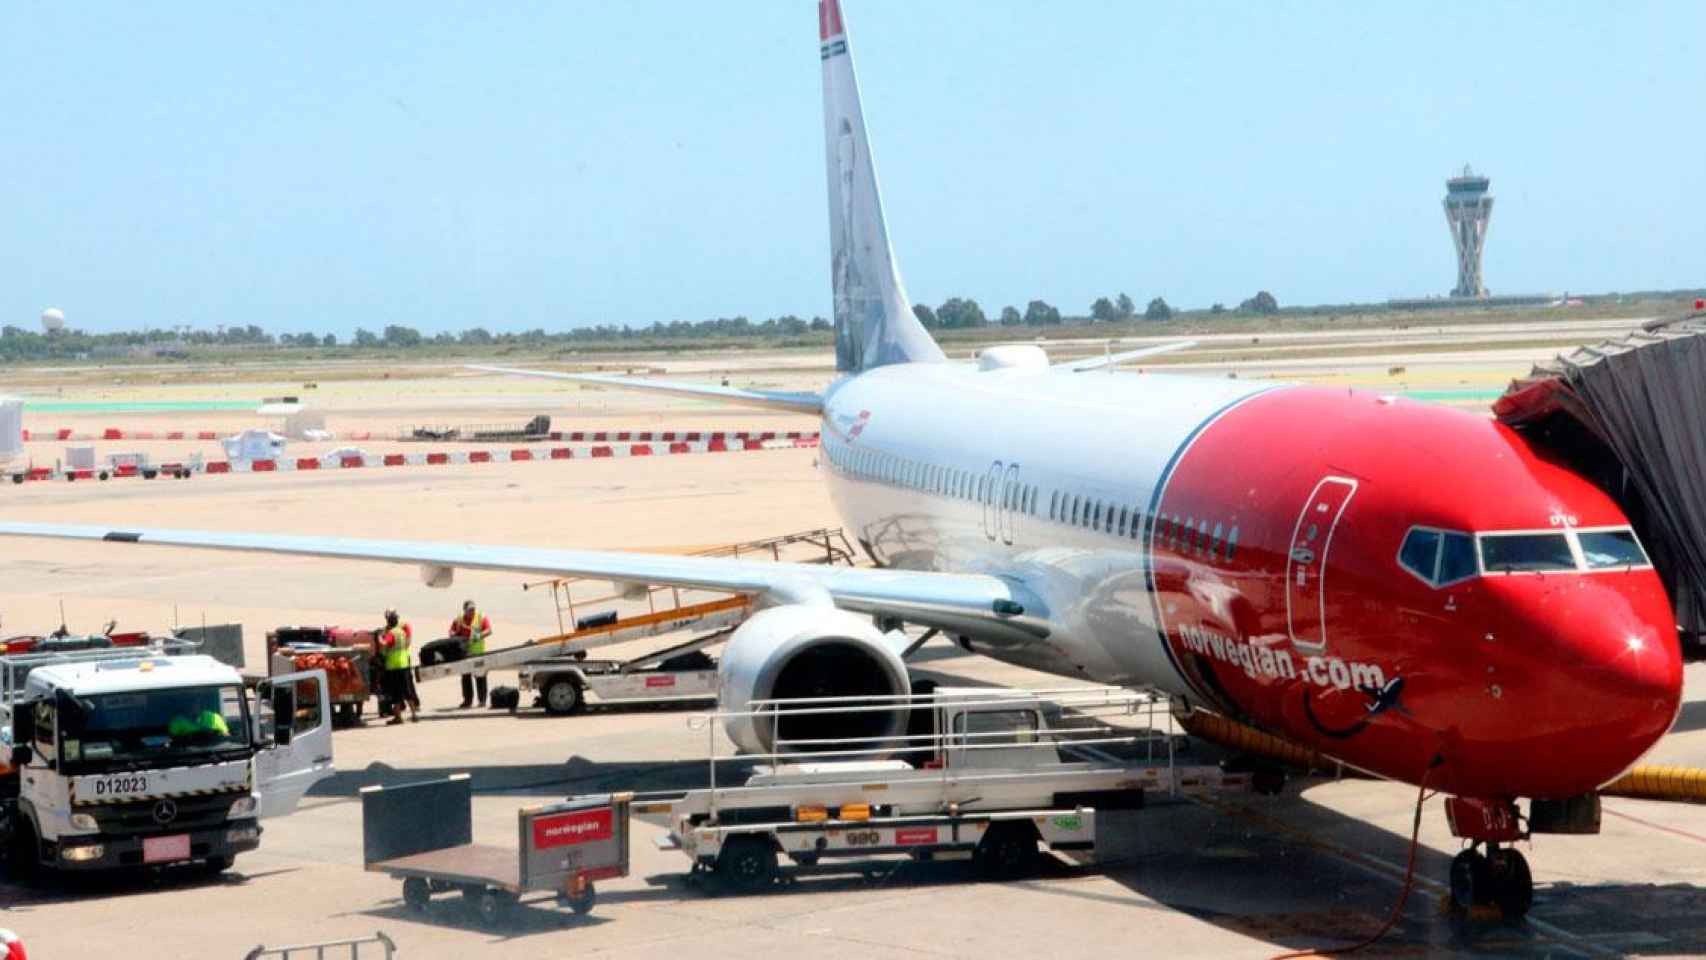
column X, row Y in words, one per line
column 1617, row 680
column 1579, row 680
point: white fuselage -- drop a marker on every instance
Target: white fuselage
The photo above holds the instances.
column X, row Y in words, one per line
column 942, row 466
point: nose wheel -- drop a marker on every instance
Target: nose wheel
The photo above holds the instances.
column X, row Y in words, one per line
column 1499, row 877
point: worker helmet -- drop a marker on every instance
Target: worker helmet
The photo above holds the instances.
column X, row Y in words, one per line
column 467, row 606
column 390, row 618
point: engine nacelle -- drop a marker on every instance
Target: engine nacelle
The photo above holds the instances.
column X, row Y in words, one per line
column 801, row 650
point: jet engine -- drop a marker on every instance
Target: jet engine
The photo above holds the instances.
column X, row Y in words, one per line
column 801, row 650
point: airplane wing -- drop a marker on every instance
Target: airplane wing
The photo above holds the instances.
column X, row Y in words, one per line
column 953, row 602
column 795, row 402
column 1097, row 363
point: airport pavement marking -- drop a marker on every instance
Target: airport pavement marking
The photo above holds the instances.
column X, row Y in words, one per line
column 1381, row 867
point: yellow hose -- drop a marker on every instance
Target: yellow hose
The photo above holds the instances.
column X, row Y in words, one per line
column 1640, row 783
column 1237, row 736
column 1659, row 783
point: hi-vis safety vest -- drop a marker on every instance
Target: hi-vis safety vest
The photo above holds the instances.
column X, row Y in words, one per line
column 397, row 654
column 476, row 636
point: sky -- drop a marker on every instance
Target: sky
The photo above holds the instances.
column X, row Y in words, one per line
column 318, row 166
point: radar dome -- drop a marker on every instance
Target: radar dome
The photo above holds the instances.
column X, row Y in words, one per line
column 53, row 319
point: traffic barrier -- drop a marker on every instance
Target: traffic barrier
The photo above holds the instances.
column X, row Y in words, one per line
column 348, row 461
column 63, row 434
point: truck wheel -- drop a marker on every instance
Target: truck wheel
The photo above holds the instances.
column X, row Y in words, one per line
column 494, row 907
column 747, row 864
column 416, row 894
column 23, row 858
column 1007, row 850
column 563, row 696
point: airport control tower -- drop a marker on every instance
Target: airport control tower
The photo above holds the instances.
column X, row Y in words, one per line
column 1467, row 208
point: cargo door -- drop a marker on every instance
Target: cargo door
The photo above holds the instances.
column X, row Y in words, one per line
column 1306, row 564
column 294, row 714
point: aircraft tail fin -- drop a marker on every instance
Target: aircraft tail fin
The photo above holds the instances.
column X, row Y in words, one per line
column 874, row 323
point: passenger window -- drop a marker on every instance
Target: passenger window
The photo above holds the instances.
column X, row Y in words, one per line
column 1109, row 527
column 1526, row 552
column 1611, row 548
column 1125, row 518
column 1202, row 543
column 1419, row 553
column 1214, row 545
column 1136, row 522
column 1188, row 541
column 1053, row 504
column 1077, row 506
column 1456, row 558
column 1231, row 543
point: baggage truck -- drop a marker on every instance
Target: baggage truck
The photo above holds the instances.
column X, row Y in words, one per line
column 983, row 774
column 121, row 758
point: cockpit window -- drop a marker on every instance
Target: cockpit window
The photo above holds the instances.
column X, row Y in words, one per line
column 1420, row 553
column 1526, row 552
column 1438, row 556
column 1611, row 548
column 1456, row 558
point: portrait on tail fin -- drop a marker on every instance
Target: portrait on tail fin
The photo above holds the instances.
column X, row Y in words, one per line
column 874, row 324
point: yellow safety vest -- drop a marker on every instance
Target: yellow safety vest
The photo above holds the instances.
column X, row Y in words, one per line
column 204, row 722
column 397, row 655
column 476, row 638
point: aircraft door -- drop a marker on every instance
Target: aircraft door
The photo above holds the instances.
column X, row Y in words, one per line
column 1306, row 565
column 1009, row 503
column 991, row 509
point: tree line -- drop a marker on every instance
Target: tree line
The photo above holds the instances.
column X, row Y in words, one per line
column 956, row 313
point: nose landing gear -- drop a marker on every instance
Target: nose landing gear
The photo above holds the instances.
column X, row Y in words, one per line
column 1488, row 873
column 1500, row 877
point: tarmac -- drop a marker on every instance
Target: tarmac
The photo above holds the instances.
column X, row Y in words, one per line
column 1320, row 865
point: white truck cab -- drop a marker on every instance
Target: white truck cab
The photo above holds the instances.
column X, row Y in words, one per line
column 120, row 759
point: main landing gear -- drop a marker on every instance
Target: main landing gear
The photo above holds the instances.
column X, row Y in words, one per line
column 1489, row 873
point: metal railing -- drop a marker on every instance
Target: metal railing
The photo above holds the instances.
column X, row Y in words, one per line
column 828, row 546
column 1071, row 720
column 15, row 668
column 387, row 949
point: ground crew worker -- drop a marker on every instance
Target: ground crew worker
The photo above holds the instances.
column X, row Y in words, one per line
column 396, row 640
column 473, row 628
column 206, row 721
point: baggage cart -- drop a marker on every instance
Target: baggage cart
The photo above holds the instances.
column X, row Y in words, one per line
column 347, row 674
column 422, row 834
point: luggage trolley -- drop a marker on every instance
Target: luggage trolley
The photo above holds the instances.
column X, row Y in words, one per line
column 422, row 834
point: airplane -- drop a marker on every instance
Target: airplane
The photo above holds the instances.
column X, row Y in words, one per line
column 1410, row 589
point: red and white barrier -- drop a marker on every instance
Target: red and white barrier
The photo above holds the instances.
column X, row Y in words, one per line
column 438, row 458
column 65, row 434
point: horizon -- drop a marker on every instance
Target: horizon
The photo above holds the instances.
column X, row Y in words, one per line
column 321, row 168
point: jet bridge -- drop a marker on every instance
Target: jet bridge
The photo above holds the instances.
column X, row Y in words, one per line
column 1630, row 415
